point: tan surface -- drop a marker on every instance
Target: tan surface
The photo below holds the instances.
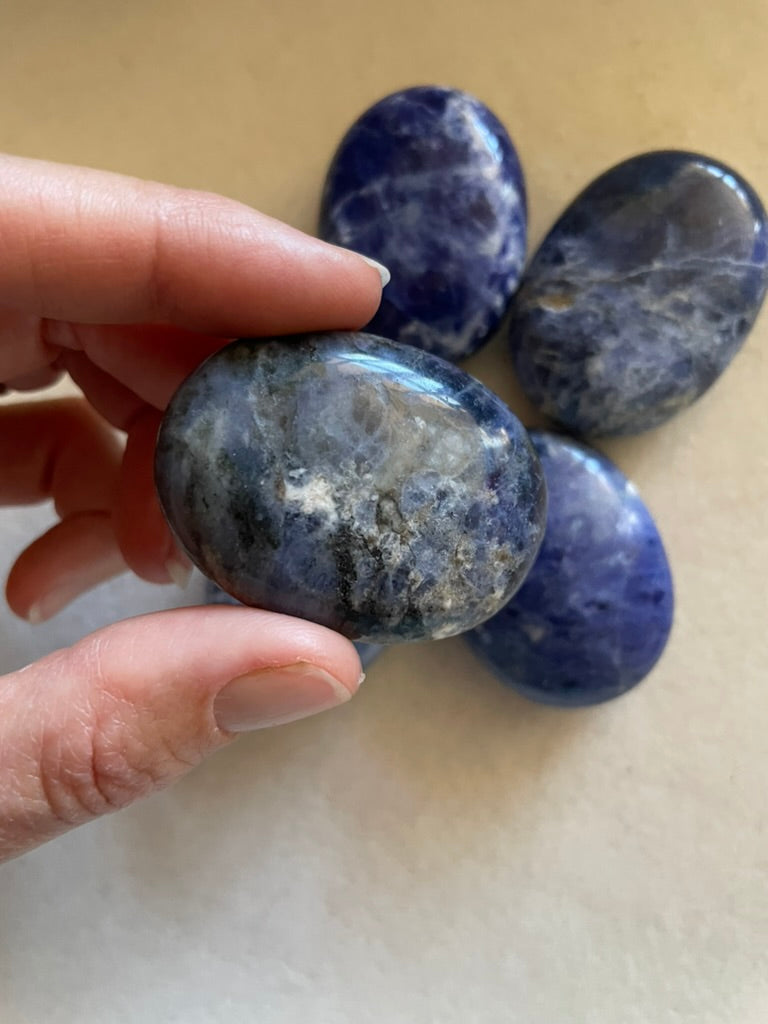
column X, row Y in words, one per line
column 438, row 850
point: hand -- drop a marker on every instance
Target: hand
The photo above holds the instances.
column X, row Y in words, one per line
column 126, row 286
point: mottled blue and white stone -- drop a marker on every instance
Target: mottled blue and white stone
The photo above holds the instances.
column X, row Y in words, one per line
column 641, row 294
column 352, row 481
column 595, row 611
column 367, row 653
column 428, row 182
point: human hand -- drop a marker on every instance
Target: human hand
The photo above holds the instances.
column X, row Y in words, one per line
column 126, row 286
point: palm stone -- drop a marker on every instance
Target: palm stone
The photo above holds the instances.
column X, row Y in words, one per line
column 595, row 611
column 641, row 294
column 352, row 481
column 428, row 182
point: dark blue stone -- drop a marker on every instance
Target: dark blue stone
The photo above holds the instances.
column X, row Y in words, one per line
column 352, row 481
column 368, row 653
column 595, row 611
column 428, row 183
column 641, row 294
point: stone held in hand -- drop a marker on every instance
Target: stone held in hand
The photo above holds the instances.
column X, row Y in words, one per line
column 428, row 182
column 595, row 611
column 352, row 481
column 641, row 294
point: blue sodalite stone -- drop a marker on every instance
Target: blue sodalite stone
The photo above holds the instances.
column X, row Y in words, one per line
column 595, row 612
column 641, row 294
column 368, row 653
column 428, row 182
column 352, row 481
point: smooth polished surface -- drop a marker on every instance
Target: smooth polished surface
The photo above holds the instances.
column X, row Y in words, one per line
column 428, row 183
column 594, row 613
column 438, row 849
column 641, row 294
column 352, row 481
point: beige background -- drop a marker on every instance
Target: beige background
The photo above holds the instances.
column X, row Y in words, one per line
column 439, row 850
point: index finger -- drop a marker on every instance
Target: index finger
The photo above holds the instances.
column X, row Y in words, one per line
column 96, row 247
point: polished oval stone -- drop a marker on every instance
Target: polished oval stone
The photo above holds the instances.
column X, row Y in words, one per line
column 353, row 481
column 641, row 294
column 595, row 611
column 368, row 653
column 428, row 183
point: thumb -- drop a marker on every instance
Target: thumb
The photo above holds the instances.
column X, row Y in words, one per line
column 131, row 708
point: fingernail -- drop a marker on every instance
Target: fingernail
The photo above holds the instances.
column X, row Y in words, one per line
column 384, row 274
column 35, row 615
column 52, row 603
column 67, row 588
column 178, row 571
column 274, row 696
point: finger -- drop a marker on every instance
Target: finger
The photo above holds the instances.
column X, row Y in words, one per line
column 73, row 556
column 133, row 707
column 150, row 361
column 57, row 449
column 60, row 450
column 140, row 527
column 23, row 349
column 35, row 381
column 84, row 245
column 115, row 402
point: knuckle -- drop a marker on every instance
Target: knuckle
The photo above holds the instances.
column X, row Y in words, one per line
column 111, row 756
column 184, row 216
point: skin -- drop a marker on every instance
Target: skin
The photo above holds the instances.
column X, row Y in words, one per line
column 126, row 286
